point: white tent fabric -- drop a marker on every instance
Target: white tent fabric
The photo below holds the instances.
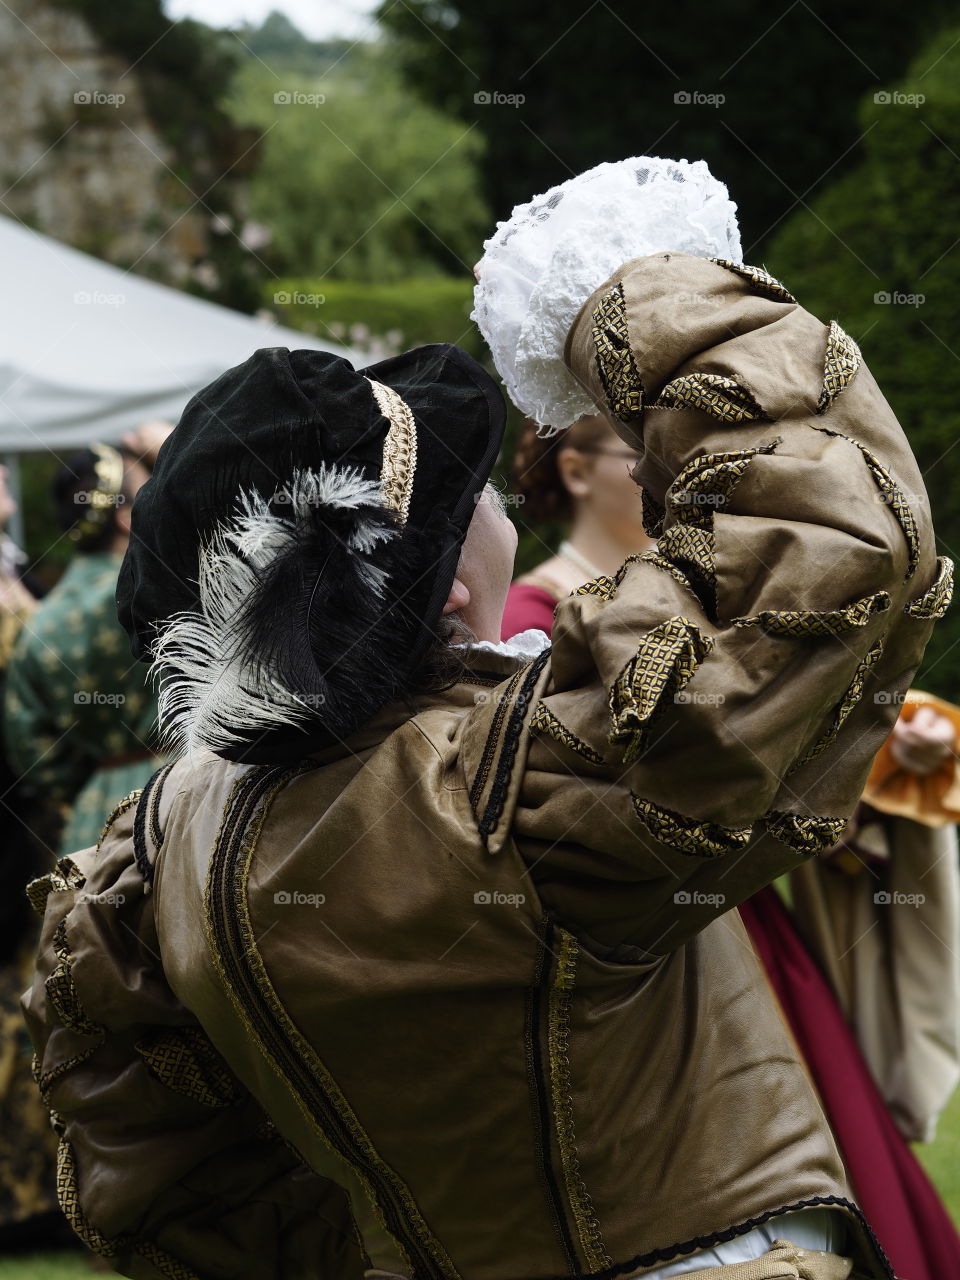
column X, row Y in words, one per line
column 88, row 351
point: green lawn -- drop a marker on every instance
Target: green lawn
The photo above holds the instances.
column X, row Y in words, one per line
column 941, row 1160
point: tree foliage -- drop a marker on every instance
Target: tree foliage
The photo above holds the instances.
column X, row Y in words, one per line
column 879, row 251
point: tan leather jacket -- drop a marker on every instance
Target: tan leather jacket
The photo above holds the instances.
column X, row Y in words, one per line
column 476, row 968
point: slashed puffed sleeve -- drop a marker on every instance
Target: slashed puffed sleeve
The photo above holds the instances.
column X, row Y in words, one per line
column 708, row 715
column 166, row 1166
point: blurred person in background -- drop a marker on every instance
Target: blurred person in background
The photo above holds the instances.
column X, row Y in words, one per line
column 864, row 963
column 28, row 1200
column 80, row 716
column 580, row 479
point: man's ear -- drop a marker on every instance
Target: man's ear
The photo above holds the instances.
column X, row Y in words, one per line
column 458, row 598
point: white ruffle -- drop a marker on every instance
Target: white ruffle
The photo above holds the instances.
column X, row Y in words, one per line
column 525, row 644
column 542, row 264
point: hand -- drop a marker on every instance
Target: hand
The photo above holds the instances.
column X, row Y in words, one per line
column 921, row 745
column 145, row 442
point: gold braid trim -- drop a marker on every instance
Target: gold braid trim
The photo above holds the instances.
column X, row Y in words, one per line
column 840, row 365
column 558, row 1037
column 804, row 834
column 292, row 1033
column 616, row 365
column 47, row 1079
column 128, row 801
column 810, row 622
column 761, row 280
column 934, row 602
column 545, row 722
column 604, row 587
column 689, row 835
column 711, row 393
column 666, row 659
column 399, row 449
column 843, row 708
column 62, row 992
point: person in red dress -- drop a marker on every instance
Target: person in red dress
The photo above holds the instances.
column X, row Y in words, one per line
column 582, row 479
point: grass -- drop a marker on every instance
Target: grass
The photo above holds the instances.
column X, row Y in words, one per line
column 941, row 1159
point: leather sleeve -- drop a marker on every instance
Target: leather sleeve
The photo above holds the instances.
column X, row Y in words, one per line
column 166, row 1166
column 708, row 716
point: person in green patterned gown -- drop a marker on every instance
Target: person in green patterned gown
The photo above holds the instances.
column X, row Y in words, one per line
column 80, row 716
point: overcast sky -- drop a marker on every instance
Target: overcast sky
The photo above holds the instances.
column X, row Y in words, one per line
column 319, row 19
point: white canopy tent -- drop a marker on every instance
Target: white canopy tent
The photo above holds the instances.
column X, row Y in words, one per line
column 88, row 351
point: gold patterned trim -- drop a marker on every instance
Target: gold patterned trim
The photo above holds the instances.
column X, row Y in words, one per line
column 811, row 622
column 603, row 586
column 558, row 1039
column 68, row 1197
column 689, row 835
column 399, row 449
column 128, row 801
column 185, row 1061
column 45, row 1080
column 892, row 494
column 843, row 708
column 652, row 515
column 65, row 876
column 712, row 393
column 710, row 481
column 239, row 907
column 544, row 721
column 616, row 364
column 761, row 280
column 96, row 1241
column 936, row 600
column 62, row 991
column 840, row 365
column 666, row 659
column 692, row 546
column 804, row 834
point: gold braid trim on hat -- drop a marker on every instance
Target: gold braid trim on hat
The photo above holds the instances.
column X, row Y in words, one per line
column 102, row 499
column 399, row 449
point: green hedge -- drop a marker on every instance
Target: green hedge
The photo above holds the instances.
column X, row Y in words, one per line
column 400, row 315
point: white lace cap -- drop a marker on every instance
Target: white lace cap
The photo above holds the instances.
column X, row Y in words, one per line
column 542, row 264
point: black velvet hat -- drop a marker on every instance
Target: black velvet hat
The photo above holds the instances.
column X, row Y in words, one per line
column 291, row 554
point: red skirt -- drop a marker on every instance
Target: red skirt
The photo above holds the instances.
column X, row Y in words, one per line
column 897, row 1197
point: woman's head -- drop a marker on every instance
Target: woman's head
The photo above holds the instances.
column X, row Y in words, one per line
column 585, row 472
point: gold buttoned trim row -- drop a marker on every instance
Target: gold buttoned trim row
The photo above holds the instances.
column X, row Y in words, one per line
column 399, row 449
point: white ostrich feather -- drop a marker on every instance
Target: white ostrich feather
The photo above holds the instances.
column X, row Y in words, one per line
column 208, row 696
